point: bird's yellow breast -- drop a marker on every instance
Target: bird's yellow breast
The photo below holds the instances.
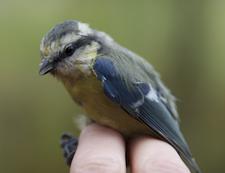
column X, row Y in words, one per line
column 89, row 93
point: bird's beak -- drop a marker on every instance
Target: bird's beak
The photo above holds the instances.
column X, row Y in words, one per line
column 46, row 66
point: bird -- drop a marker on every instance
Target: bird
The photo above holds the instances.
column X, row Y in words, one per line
column 114, row 86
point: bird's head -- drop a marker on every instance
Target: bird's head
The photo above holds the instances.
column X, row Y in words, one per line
column 69, row 48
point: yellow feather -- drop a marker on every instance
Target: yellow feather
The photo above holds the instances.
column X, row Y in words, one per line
column 89, row 92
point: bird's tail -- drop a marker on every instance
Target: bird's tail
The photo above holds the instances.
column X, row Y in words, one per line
column 191, row 163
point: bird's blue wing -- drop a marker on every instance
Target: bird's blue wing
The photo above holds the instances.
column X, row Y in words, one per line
column 114, row 86
column 141, row 101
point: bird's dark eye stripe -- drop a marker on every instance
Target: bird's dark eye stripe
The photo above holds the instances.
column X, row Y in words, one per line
column 82, row 42
column 72, row 47
column 68, row 50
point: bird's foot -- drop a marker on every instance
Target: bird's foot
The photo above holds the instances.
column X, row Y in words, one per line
column 69, row 145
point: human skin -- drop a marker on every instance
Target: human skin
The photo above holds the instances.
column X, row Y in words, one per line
column 103, row 150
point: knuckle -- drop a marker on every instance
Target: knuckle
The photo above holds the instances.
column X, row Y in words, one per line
column 103, row 165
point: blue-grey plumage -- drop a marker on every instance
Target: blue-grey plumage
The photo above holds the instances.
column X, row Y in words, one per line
column 115, row 87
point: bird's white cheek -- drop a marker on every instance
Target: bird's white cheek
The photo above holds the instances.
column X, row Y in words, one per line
column 72, row 69
column 65, row 67
column 85, row 69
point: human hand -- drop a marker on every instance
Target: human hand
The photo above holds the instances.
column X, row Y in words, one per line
column 102, row 150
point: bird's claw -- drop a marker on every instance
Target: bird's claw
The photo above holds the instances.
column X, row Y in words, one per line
column 69, row 145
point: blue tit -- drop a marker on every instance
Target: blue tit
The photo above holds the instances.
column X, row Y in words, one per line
column 115, row 87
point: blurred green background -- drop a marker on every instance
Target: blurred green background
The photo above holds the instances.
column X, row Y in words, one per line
column 184, row 40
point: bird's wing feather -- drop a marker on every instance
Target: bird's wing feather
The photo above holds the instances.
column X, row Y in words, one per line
column 142, row 102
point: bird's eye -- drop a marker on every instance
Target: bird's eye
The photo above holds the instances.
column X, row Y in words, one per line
column 69, row 50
